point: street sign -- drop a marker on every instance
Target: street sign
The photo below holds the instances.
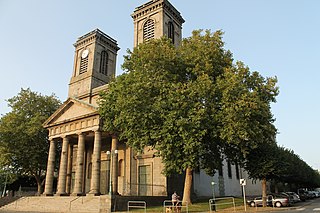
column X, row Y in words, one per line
column 243, row 182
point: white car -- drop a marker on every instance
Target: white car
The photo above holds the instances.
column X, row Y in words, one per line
column 315, row 193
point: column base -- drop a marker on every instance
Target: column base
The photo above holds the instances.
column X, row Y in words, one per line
column 78, row 194
column 94, row 194
column 45, row 194
column 60, row 194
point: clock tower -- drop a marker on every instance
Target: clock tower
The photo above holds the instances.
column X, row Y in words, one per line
column 155, row 19
column 94, row 64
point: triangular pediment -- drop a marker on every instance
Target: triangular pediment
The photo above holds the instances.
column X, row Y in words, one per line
column 71, row 109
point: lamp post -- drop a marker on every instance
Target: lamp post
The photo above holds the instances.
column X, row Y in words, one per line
column 5, row 185
column 6, row 180
column 213, row 197
column 112, row 163
column 212, row 184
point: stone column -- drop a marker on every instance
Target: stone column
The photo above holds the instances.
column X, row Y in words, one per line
column 79, row 166
column 69, row 169
column 48, row 190
column 63, row 167
column 96, row 158
column 114, row 167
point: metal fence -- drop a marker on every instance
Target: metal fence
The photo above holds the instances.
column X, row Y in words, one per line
column 137, row 205
column 224, row 201
column 181, row 206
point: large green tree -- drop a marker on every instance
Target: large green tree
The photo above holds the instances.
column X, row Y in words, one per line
column 184, row 102
column 23, row 140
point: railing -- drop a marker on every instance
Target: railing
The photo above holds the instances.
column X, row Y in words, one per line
column 137, row 205
column 214, row 203
column 167, row 204
column 19, row 200
column 71, row 201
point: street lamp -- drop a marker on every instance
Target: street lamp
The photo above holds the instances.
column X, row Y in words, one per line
column 212, row 183
column 6, row 180
column 112, row 164
column 213, row 197
column 5, row 185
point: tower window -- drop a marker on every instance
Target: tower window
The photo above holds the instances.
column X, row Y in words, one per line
column 171, row 31
column 104, row 62
column 148, row 30
column 83, row 65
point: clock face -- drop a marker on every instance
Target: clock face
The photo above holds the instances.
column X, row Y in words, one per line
column 84, row 53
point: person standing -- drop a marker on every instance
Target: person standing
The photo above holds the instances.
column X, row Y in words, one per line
column 175, row 198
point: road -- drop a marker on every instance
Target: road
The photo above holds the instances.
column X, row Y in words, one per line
column 305, row 207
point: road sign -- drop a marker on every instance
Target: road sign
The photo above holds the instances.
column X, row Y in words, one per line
column 243, row 182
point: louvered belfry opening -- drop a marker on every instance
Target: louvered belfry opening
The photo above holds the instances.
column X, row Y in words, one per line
column 148, row 30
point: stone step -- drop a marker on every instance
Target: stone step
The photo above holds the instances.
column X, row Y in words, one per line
column 83, row 204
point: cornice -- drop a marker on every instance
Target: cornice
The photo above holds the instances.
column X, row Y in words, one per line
column 73, row 120
column 97, row 36
column 154, row 5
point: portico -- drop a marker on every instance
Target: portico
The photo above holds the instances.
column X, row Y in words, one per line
column 82, row 145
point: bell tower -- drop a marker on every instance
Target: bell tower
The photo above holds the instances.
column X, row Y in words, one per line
column 155, row 19
column 94, row 63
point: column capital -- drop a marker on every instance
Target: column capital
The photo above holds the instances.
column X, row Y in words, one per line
column 82, row 133
column 114, row 136
column 65, row 136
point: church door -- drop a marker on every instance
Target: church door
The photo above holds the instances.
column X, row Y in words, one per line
column 144, row 180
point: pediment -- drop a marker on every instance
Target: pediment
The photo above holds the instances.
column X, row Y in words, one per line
column 71, row 109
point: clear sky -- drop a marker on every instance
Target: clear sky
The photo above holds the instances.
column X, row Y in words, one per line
column 276, row 38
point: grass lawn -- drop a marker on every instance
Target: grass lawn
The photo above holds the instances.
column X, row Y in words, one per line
column 223, row 204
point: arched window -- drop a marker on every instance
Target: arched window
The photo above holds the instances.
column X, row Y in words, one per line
column 104, row 62
column 148, row 30
column 171, row 31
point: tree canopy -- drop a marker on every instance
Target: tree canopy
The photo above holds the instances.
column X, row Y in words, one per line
column 190, row 103
column 23, row 140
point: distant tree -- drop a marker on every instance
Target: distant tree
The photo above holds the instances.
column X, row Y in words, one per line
column 265, row 163
column 305, row 176
column 184, row 102
column 23, row 140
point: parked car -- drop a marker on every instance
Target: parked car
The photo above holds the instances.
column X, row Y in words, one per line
column 314, row 193
column 303, row 196
column 293, row 197
column 272, row 200
column 307, row 194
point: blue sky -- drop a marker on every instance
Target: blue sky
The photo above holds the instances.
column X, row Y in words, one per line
column 276, row 38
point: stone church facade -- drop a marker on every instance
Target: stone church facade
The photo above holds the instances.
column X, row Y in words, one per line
column 95, row 162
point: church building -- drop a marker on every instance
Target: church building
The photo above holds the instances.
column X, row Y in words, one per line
column 95, row 162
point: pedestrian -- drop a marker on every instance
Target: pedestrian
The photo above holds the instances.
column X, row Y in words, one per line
column 175, row 198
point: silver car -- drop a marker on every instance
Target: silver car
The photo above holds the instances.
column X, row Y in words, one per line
column 272, row 200
column 294, row 197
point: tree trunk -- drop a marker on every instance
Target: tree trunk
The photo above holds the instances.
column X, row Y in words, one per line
column 264, row 192
column 39, row 183
column 187, row 186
